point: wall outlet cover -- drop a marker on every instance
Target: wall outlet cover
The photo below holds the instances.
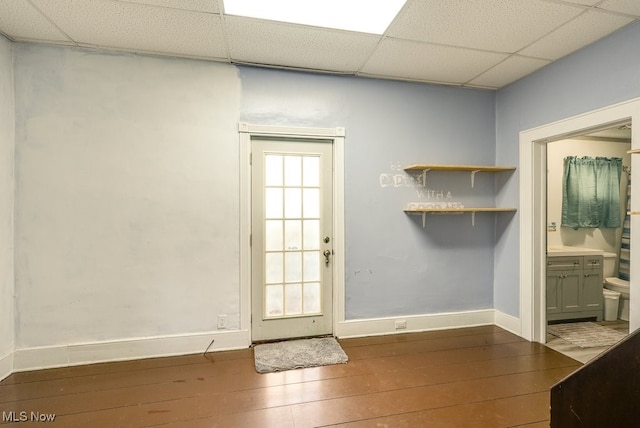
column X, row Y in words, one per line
column 222, row 322
column 401, row 324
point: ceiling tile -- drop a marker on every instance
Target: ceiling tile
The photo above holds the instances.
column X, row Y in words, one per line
column 276, row 43
column 497, row 25
column 432, row 63
column 508, row 71
column 210, row 6
column 21, row 21
column 625, row 6
column 137, row 27
column 585, row 29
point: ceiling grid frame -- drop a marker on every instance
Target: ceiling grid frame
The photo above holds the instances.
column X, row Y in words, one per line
column 486, row 45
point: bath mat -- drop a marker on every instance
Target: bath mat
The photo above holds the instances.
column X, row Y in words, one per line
column 586, row 334
column 296, row 354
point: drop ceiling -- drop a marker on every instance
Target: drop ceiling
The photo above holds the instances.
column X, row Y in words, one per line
column 476, row 43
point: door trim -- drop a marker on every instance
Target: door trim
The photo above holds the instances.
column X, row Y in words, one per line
column 336, row 136
column 532, row 167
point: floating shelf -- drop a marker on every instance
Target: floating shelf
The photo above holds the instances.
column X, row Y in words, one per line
column 473, row 169
column 633, row 212
column 473, row 211
column 632, row 151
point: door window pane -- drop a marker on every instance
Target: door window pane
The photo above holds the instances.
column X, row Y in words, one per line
column 273, row 170
column 273, row 202
column 311, row 203
column 273, row 235
column 311, row 266
column 292, row 171
column 311, row 171
column 273, row 268
column 273, row 300
column 293, row 267
column 293, row 299
column 311, row 301
column 311, row 235
column 293, row 203
column 293, row 234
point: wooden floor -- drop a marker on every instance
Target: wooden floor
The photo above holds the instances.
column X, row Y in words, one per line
column 472, row 377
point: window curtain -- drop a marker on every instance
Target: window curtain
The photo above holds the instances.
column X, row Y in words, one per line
column 591, row 192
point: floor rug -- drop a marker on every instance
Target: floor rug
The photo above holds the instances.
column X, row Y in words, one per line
column 296, row 354
column 586, row 334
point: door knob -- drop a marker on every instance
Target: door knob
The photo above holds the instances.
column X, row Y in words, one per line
column 326, row 255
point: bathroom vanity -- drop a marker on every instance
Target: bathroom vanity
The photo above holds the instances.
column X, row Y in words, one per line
column 574, row 283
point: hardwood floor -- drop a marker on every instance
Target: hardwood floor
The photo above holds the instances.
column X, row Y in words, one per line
column 470, row 377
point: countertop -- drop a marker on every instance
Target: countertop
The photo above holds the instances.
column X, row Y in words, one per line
column 561, row 251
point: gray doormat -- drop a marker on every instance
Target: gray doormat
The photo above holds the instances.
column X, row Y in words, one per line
column 586, row 334
column 297, row 354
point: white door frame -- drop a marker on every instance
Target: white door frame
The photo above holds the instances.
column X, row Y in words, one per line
column 336, row 135
column 533, row 235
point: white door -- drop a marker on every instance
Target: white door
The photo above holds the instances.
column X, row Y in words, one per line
column 291, row 238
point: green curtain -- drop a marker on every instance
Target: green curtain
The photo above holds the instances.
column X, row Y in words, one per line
column 591, row 192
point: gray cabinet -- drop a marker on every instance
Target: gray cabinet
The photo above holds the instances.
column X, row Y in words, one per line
column 574, row 287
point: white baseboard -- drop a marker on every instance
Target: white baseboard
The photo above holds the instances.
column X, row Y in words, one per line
column 24, row 359
column 6, row 365
column 508, row 322
column 383, row 326
column 131, row 349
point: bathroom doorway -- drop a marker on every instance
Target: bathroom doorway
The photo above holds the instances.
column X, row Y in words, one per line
column 533, row 206
column 574, row 295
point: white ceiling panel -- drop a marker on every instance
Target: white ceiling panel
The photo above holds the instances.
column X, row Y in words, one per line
column 624, row 6
column 276, row 43
column 513, row 68
column 496, row 25
column 21, row 21
column 582, row 31
column 433, row 63
column 136, row 27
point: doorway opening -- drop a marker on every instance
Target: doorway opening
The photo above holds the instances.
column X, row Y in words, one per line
column 533, row 207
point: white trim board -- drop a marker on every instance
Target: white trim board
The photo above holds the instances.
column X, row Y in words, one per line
column 6, row 366
column 415, row 323
column 27, row 359
column 88, row 353
column 533, row 208
column 337, row 135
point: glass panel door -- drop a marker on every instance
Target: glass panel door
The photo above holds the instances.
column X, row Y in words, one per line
column 291, row 249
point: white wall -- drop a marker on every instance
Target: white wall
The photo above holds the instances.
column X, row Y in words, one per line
column 7, row 140
column 604, row 239
column 127, row 202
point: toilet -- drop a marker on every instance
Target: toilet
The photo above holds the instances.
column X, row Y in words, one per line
column 612, row 282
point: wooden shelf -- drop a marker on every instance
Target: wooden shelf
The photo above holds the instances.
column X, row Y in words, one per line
column 466, row 168
column 473, row 169
column 459, row 210
column 632, row 151
column 472, row 210
column 633, row 212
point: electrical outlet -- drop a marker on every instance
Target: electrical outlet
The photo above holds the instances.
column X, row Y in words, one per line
column 401, row 324
column 222, row 322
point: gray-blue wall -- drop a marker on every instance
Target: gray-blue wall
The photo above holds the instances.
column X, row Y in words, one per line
column 599, row 75
column 394, row 266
